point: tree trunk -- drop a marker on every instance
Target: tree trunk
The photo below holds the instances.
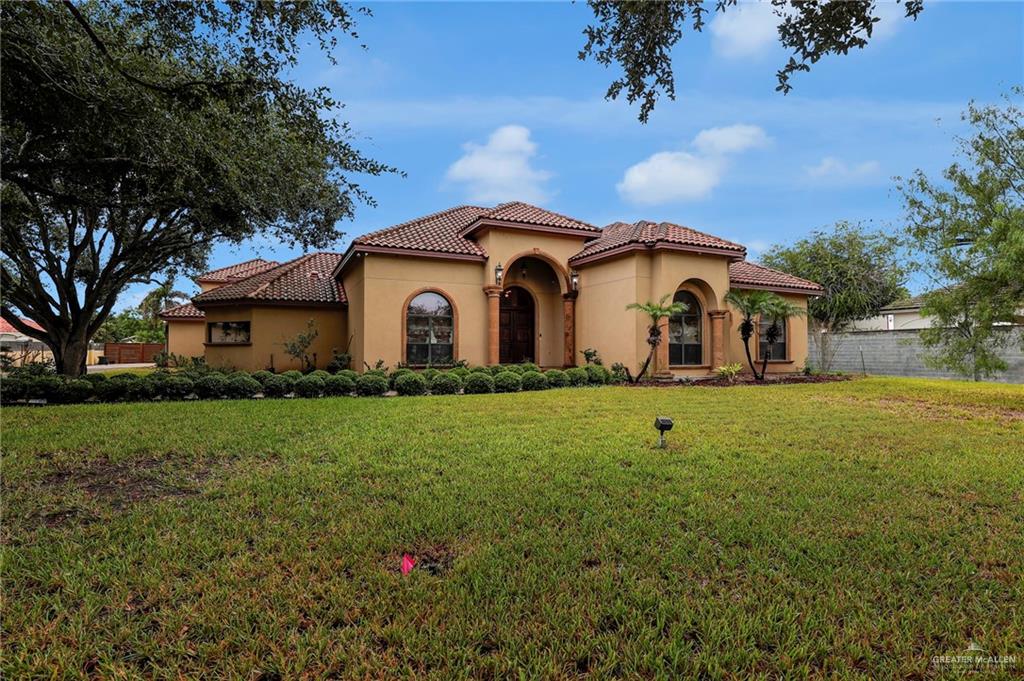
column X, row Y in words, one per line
column 764, row 363
column 750, row 360
column 70, row 355
column 647, row 363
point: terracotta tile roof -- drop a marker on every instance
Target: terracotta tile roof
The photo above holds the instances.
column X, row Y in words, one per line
column 306, row 279
column 238, row 271
column 653, row 234
column 524, row 213
column 6, row 327
column 187, row 311
column 435, row 233
column 745, row 273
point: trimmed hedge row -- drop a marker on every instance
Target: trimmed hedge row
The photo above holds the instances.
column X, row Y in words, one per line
column 212, row 384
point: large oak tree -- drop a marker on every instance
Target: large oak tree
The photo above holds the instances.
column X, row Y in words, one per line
column 136, row 134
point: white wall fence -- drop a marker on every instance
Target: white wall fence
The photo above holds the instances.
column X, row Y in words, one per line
column 900, row 353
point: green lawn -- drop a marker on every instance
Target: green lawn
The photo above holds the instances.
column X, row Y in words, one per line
column 849, row 529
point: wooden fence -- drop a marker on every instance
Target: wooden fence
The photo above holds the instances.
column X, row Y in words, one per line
column 131, row 353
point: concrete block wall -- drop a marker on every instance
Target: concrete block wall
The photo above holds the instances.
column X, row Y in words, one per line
column 900, row 353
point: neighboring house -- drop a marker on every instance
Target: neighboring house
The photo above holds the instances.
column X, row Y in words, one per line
column 19, row 348
column 903, row 315
column 507, row 284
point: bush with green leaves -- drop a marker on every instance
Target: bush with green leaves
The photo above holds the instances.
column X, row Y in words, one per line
column 597, row 374
column 43, row 387
column 13, row 388
column 242, row 387
column 376, row 372
column 211, row 387
column 481, row 370
column 514, row 368
column 371, row 384
column 309, row 386
column 320, row 373
column 447, row 383
column 619, row 373
column 278, row 385
column 339, row 384
column 339, row 362
column 556, row 378
column 110, row 391
column 411, row 384
column 349, row 374
column 95, row 378
column 140, row 390
column 263, row 376
column 75, row 390
column 428, row 374
column 176, row 388
column 293, row 374
column 529, row 366
column 729, row 372
column 478, row 383
column 577, row 376
column 507, row 382
column 402, row 371
column 534, row 380
column 461, row 372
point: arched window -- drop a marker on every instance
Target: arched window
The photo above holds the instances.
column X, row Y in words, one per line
column 778, row 349
column 684, row 332
column 429, row 330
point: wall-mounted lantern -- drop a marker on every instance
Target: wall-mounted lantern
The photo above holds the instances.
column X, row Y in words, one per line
column 499, row 272
column 574, row 278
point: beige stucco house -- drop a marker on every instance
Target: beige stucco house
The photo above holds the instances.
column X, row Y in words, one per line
column 506, row 284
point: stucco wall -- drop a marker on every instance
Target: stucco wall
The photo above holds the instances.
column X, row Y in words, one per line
column 352, row 280
column 270, row 327
column 186, row 338
column 796, row 336
column 602, row 322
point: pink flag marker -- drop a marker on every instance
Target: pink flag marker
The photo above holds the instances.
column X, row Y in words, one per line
column 408, row 562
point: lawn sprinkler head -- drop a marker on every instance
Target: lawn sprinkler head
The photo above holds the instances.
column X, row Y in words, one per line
column 662, row 424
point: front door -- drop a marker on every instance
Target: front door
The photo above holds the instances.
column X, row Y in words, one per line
column 516, row 328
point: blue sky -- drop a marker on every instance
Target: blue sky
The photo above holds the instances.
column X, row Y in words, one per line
column 480, row 103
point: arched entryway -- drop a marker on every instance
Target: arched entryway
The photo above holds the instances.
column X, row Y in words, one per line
column 517, row 326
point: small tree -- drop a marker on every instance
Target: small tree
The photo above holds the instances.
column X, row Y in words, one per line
column 751, row 305
column 298, row 347
column 778, row 310
column 656, row 312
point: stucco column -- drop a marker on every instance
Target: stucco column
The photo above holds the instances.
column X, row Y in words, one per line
column 569, row 325
column 717, row 337
column 493, row 322
column 661, row 355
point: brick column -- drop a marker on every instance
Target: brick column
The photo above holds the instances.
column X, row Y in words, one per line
column 569, row 325
column 493, row 322
column 717, row 337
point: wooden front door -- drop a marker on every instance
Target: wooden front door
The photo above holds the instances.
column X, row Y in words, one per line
column 516, row 327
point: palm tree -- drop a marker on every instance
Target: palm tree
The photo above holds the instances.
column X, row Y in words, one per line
column 159, row 299
column 750, row 305
column 778, row 310
column 656, row 312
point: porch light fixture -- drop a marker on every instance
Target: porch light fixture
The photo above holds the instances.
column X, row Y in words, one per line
column 574, row 277
column 499, row 272
column 662, row 424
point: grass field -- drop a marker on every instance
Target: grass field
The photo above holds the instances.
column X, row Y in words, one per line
column 849, row 529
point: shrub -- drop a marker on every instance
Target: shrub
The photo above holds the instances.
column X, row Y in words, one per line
column 110, row 391
column 534, row 380
column 262, row 377
column 293, row 374
column 478, row 383
column 13, row 388
column 140, row 390
column 176, row 388
column 339, row 384
column 95, row 378
column 410, row 384
column 481, row 370
column 309, row 386
column 556, row 378
column 619, row 373
column 577, row 376
column 127, row 378
column 514, row 368
column 428, row 374
column 371, row 384
column 597, row 374
column 729, row 372
column 242, row 387
column 396, row 374
column 339, row 362
column 448, row 383
column 461, row 372
column 507, row 382
column 349, row 374
column 278, row 385
column 529, row 366
column 320, row 373
column 76, row 390
column 376, row 372
column 43, row 387
column 212, row 386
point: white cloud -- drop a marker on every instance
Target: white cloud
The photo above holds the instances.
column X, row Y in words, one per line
column 744, row 30
column 501, row 169
column 669, row 176
column 731, row 139
column 834, row 170
column 891, row 18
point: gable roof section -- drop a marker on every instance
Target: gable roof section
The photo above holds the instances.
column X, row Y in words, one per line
column 236, row 272
column 913, row 303
column 183, row 313
column 306, row 280
column 619, row 237
column 519, row 215
column 434, row 233
column 745, row 274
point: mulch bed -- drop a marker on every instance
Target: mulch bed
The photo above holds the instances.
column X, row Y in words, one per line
column 739, row 380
